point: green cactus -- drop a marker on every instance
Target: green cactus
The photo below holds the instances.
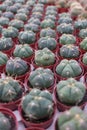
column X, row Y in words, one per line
column 3, row 58
column 4, row 21
column 84, row 58
column 27, row 37
column 48, row 23
column 62, row 3
column 10, row 90
column 48, row 32
column 23, row 10
column 16, row 67
column 3, row 7
column 32, row 105
column 12, row 9
column 68, row 68
column 5, row 43
column 44, row 57
column 37, row 9
column 8, row 15
column 23, row 51
column 10, row 32
column 51, row 7
column 66, row 20
column 21, row 16
column 64, row 15
column 83, row 33
column 31, row 26
column 80, row 24
column 5, row 123
column 16, row 23
column 37, row 15
column 34, row 21
column 48, row 42
column 65, row 28
column 67, row 89
column 73, row 119
column 41, row 78
column 69, row 51
column 52, row 17
column 67, row 39
column 83, row 44
column 51, row 12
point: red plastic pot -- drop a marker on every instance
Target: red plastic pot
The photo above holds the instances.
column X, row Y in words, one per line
column 59, row 77
column 14, row 104
column 2, row 67
column 44, row 124
column 10, row 114
column 64, row 107
column 34, row 128
column 62, row 10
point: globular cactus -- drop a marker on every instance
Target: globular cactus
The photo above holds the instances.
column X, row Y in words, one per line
column 10, row 32
column 21, row 16
column 12, row 8
column 83, row 33
column 83, row 44
column 80, row 24
column 48, row 23
column 51, row 7
column 8, row 15
column 5, row 123
column 73, row 119
column 51, row 12
column 32, row 27
column 66, row 20
column 34, row 21
column 5, row 44
column 64, row 15
column 61, row 3
column 23, row 10
column 4, row 21
column 68, row 68
column 38, row 9
column 37, row 105
column 48, row 32
column 23, row 51
column 67, row 89
column 69, row 51
column 3, row 7
column 37, row 15
column 44, row 57
column 16, row 23
column 10, row 90
column 65, row 28
column 52, row 17
column 16, row 67
column 48, row 42
column 67, row 39
column 3, row 58
column 27, row 37
column 84, row 58
column 41, row 78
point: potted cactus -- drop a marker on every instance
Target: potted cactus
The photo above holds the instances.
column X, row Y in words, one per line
column 34, row 21
column 21, row 16
column 67, row 20
column 42, row 79
column 74, row 118
column 68, row 68
column 83, row 45
column 82, row 34
column 4, row 21
column 3, row 60
column 66, row 90
column 52, row 17
column 32, row 26
column 32, row 110
column 11, row 93
column 23, row 51
column 69, row 52
column 17, row 68
column 44, row 58
column 8, row 15
column 38, row 15
column 47, row 23
column 8, row 120
column 83, row 61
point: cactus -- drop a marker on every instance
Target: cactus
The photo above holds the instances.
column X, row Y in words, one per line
column 27, row 37
column 83, row 44
column 51, row 12
column 61, row 3
column 5, row 123
column 21, row 16
column 12, row 9
column 67, row 89
column 66, row 20
column 5, row 43
column 3, row 7
column 16, row 23
column 69, row 51
column 73, row 119
column 67, row 39
column 37, row 15
column 80, row 24
column 38, row 9
column 48, row 23
column 3, row 58
column 83, row 33
column 65, row 28
column 64, row 15
column 48, row 42
column 32, row 105
column 23, row 10
column 48, row 32
column 32, row 27
column 41, row 78
column 23, row 51
column 10, row 90
column 84, row 58
column 54, row 8
column 10, row 32
column 34, row 21
column 68, row 68
column 44, row 57
column 52, row 17
column 8, row 15
column 4, row 21
column 16, row 67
